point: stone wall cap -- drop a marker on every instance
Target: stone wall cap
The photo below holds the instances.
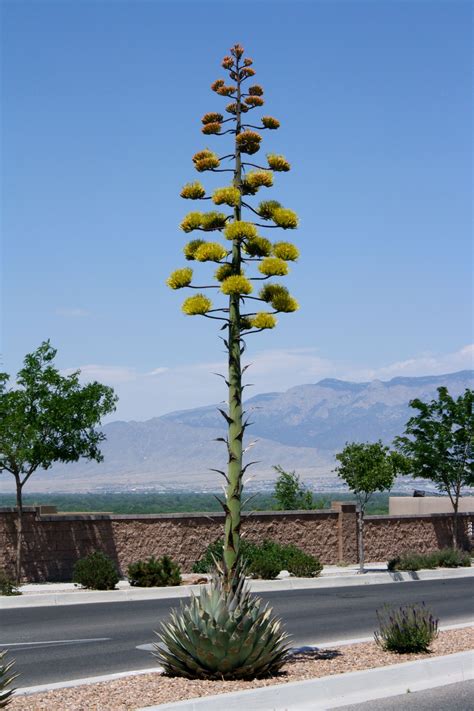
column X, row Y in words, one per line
column 385, row 517
column 71, row 516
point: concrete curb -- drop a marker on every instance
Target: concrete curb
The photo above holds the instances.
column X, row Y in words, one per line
column 84, row 597
column 332, row 692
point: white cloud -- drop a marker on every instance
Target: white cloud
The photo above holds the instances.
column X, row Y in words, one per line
column 163, row 389
column 72, row 312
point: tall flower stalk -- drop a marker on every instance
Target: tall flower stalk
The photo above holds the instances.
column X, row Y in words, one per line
column 244, row 247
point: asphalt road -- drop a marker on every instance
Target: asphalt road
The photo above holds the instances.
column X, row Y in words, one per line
column 455, row 697
column 74, row 641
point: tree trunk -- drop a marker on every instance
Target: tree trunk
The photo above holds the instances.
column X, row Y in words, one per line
column 236, row 429
column 19, row 530
column 361, row 540
column 455, row 523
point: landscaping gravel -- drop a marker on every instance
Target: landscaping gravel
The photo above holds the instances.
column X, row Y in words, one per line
column 147, row 689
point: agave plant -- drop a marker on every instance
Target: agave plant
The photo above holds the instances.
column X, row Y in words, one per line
column 222, row 634
column 5, row 680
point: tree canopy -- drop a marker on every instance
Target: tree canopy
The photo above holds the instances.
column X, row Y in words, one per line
column 48, row 417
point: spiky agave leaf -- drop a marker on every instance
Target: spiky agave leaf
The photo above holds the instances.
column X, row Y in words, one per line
column 222, row 634
column 5, row 680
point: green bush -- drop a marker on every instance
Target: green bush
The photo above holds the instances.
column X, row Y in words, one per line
column 446, row 558
column 6, row 679
column 408, row 629
column 97, row 572
column 154, row 573
column 264, row 560
column 453, row 558
column 7, row 586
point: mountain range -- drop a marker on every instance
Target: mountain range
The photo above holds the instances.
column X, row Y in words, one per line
column 301, row 428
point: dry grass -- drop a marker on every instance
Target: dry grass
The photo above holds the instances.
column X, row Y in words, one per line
column 148, row 689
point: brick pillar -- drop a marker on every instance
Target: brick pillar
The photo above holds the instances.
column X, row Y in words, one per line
column 346, row 531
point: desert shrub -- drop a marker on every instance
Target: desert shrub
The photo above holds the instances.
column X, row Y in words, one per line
column 154, row 572
column 446, row 558
column 7, row 586
column 453, row 558
column 97, row 571
column 264, row 560
column 6, row 678
column 410, row 628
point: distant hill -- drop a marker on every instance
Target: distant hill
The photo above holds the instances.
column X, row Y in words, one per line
column 300, row 428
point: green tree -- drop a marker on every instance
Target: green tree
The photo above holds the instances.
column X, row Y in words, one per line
column 366, row 467
column 290, row 493
column 47, row 418
column 438, row 441
column 242, row 248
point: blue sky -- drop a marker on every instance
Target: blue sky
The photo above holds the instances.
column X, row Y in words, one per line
column 102, row 106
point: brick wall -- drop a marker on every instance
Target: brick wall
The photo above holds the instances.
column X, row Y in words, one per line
column 53, row 542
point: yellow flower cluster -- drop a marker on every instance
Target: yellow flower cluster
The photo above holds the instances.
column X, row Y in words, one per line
column 240, row 230
column 248, row 141
column 211, row 128
column 236, row 284
column 193, row 191
column 256, row 90
column 213, row 220
column 212, row 117
column 219, row 86
column 210, row 252
column 195, row 305
column 191, row 222
column 180, row 278
column 259, row 178
column 232, row 108
column 272, row 266
column 287, row 219
column 286, row 251
column 254, row 101
column 204, row 221
column 205, row 160
column 263, row 320
column 258, row 247
column 278, row 163
column 224, row 271
column 191, row 248
column 226, row 196
column 285, row 303
column 267, row 207
column 279, row 297
column 270, row 122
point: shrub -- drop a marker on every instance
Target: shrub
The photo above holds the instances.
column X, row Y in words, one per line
column 154, row 573
column 7, row 586
column 410, row 628
column 453, row 558
column 264, row 560
column 446, row 558
column 97, row 571
column 5, row 680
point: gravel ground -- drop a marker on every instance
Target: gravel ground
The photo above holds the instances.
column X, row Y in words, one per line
column 148, row 689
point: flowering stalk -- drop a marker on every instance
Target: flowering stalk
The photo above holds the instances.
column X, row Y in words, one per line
column 244, row 246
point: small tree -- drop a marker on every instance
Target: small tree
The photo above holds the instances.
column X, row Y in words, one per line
column 242, row 248
column 290, row 493
column 438, row 442
column 47, row 418
column 366, row 468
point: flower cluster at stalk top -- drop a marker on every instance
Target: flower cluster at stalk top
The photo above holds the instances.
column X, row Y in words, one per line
column 246, row 256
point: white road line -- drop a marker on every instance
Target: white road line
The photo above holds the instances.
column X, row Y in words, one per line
column 55, row 641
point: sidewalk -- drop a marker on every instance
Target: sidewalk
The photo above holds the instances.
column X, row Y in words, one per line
column 46, row 594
